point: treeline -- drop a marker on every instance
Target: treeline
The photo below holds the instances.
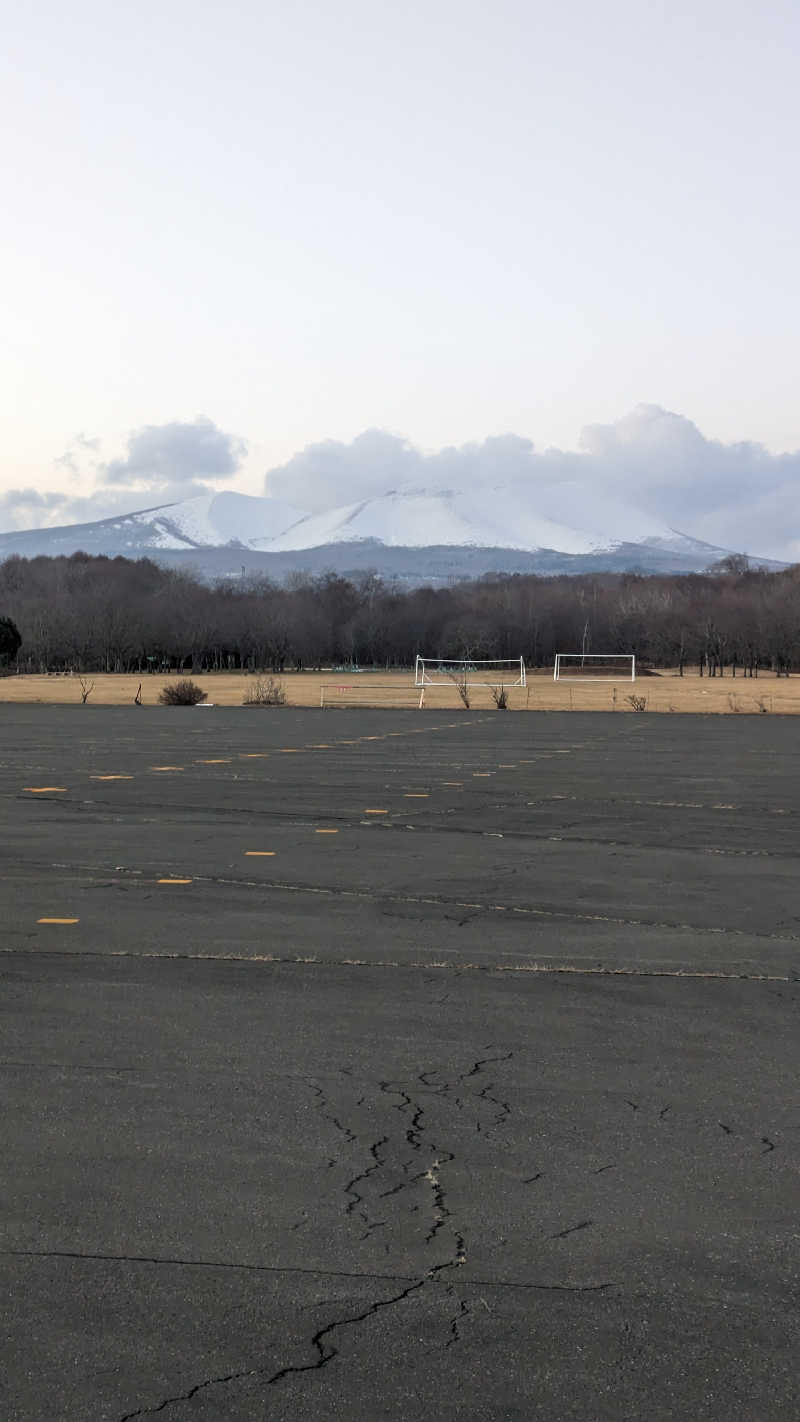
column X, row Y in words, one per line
column 87, row 613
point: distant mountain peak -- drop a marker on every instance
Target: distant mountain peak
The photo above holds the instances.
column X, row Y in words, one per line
column 483, row 529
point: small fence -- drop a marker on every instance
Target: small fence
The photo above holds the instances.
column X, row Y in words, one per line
column 334, row 693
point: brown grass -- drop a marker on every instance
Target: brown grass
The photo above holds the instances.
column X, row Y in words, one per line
column 664, row 693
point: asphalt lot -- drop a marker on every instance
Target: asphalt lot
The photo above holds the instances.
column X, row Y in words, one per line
column 394, row 1065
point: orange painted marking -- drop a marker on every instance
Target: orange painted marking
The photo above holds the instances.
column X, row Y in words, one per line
column 173, row 881
column 326, row 831
column 226, row 760
column 259, row 853
column 166, row 767
column 416, row 795
column 290, row 750
column 58, row 920
column 254, row 755
column 481, row 774
column 46, row 789
column 111, row 777
column 376, row 812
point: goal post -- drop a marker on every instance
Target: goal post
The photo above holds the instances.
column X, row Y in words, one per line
column 436, row 671
column 594, row 666
column 393, row 695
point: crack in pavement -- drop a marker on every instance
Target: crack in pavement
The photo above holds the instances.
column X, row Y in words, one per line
column 168, row 1262
column 272, row 886
column 324, row 1356
column 571, row 1229
column 456, row 968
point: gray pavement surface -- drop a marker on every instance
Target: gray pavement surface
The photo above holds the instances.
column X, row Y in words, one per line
column 398, row 1064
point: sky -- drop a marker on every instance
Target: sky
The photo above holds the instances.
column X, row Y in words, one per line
column 236, row 233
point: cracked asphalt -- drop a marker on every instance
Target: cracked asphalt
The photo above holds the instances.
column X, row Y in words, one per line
column 381, row 1064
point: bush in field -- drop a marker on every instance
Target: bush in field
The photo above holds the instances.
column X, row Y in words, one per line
column 500, row 697
column 182, row 693
column 265, row 692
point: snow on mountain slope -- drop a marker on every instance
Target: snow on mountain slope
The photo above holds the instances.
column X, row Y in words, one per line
column 214, row 519
column 416, row 534
column 502, row 517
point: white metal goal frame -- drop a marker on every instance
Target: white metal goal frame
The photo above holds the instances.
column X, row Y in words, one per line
column 438, row 671
column 581, row 673
column 393, row 695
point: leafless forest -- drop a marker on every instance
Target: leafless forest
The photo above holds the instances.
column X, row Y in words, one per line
column 114, row 614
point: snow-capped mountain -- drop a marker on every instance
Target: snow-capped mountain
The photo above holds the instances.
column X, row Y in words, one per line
column 210, row 521
column 415, row 534
column 214, row 519
column 491, row 517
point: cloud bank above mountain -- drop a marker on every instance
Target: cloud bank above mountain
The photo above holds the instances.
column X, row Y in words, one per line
column 736, row 495
column 162, row 464
column 652, row 462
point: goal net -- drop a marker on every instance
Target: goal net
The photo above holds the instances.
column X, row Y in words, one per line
column 432, row 671
column 594, row 666
column 390, row 694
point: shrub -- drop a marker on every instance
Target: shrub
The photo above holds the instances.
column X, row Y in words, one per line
column 500, row 697
column 461, row 684
column 182, row 693
column 637, row 703
column 267, row 692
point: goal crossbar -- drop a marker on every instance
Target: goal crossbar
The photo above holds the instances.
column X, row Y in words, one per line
column 437, row 671
column 592, row 666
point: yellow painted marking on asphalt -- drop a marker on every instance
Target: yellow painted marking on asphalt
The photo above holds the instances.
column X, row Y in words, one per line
column 452, row 782
column 416, row 795
column 58, row 920
column 507, row 767
column 173, row 881
column 290, row 750
column 254, row 755
column 326, row 831
column 46, row 789
column 481, row 774
column 111, row 777
column 376, row 812
column 166, row 767
column 259, row 853
column 225, row 760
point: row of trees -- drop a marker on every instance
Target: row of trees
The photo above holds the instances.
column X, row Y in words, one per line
column 114, row 614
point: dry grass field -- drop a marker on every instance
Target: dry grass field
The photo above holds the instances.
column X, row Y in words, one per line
column 666, row 692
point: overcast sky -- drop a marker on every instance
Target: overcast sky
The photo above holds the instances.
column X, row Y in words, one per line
column 446, row 220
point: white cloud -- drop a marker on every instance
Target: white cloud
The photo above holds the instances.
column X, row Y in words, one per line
column 177, row 453
column 650, row 471
column 651, row 463
column 163, row 465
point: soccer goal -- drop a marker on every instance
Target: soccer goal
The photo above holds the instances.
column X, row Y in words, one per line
column 432, row 671
column 594, row 666
column 391, row 694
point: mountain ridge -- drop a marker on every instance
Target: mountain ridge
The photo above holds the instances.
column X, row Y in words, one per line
column 401, row 532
